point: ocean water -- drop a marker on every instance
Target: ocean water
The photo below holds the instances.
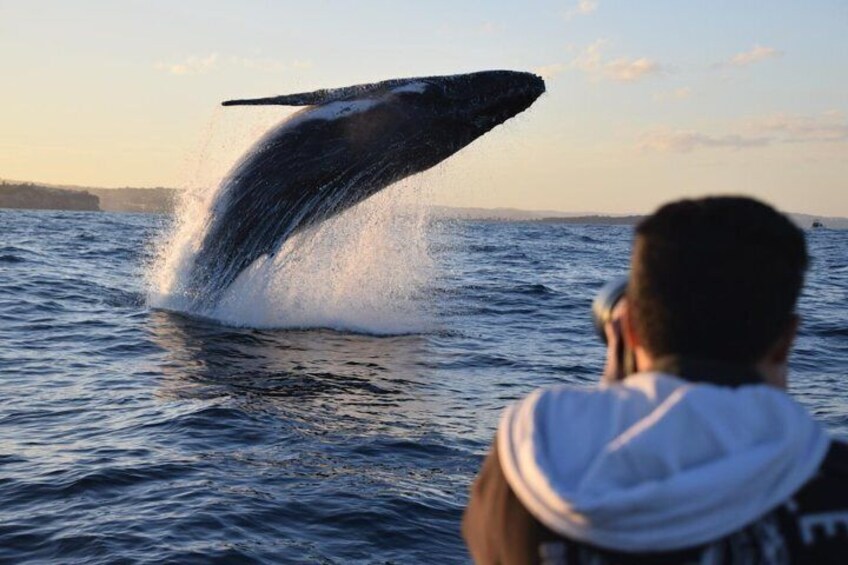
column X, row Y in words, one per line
column 135, row 434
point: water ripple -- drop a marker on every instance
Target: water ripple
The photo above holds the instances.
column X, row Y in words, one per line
column 145, row 436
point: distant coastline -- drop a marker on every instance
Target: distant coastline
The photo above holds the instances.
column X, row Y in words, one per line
column 161, row 200
column 805, row 221
column 35, row 196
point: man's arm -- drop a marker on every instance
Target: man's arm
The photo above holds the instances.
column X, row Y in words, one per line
column 496, row 526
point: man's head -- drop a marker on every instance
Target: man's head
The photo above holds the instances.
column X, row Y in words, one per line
column 716, row 278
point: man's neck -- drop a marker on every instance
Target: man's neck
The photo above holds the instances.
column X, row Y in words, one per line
column 710, row 371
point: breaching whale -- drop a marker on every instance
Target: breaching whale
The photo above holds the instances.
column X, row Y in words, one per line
column 349, row 144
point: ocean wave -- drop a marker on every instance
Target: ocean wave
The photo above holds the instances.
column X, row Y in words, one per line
column 146, row 435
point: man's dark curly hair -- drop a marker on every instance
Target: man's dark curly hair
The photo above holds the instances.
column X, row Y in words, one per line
column 715, row 278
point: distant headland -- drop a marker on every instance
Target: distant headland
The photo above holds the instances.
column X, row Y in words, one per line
column 160, row 200
column 31, row 196
column 14, row 194
column 555, row 217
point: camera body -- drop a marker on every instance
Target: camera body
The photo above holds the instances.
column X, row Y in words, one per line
column 603, row 307
column 605, row 302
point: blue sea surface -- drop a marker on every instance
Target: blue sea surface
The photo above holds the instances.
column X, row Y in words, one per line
column 134, row 435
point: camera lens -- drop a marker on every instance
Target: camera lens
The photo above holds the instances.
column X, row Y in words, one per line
column 605, row 302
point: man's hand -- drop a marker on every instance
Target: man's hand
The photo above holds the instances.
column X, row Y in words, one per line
column 619, row 363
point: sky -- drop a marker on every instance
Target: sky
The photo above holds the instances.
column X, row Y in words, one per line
column 646, row 101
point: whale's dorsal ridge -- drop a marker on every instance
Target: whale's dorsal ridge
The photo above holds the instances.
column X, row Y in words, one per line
column 327, row 95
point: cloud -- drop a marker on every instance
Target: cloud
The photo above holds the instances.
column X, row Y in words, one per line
column 829, row 127
column 755, row 55
column 681, row 93
column 686, row 141
column 549, row 71
column 622, row 69
column 262, row 64
column 582, row 8
column 490, row 28
column 192, row 65
column 590, row 59
column 629, row 70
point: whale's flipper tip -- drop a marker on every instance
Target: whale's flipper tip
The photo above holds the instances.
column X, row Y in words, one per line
column 302, row 99
column 255, row 102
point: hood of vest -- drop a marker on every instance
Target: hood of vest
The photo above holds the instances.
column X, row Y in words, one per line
column 657, row 463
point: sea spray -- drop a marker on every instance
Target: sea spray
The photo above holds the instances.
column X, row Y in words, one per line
column 364, row 270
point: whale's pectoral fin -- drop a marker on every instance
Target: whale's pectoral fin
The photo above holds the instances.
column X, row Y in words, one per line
column 302, row 99
column 327, row 95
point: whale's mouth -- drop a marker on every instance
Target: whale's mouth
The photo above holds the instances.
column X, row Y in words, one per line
column 490, row 98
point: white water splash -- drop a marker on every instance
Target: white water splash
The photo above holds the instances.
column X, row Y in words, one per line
column 362, row 271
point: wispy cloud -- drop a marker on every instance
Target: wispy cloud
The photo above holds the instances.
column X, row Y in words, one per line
column 755, row 55
column 830, row 127
column 582, row 8
column 686, row 141
column 195, row 64
column 681, row 93
column 191, row 65
column 787, row 128
column 490, row 28
column 550, row 71
column 621, row 69
column 625, row 69
column 262, row 64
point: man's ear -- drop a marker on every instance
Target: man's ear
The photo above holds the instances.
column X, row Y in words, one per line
column 643, row 360
column 631, row 338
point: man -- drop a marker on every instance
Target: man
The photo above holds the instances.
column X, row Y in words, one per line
column 698, row 457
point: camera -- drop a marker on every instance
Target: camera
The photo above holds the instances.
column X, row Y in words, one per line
column 605, row 302
column 602, row 309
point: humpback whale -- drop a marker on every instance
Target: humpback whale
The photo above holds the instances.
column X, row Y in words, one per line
column 348, row 144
